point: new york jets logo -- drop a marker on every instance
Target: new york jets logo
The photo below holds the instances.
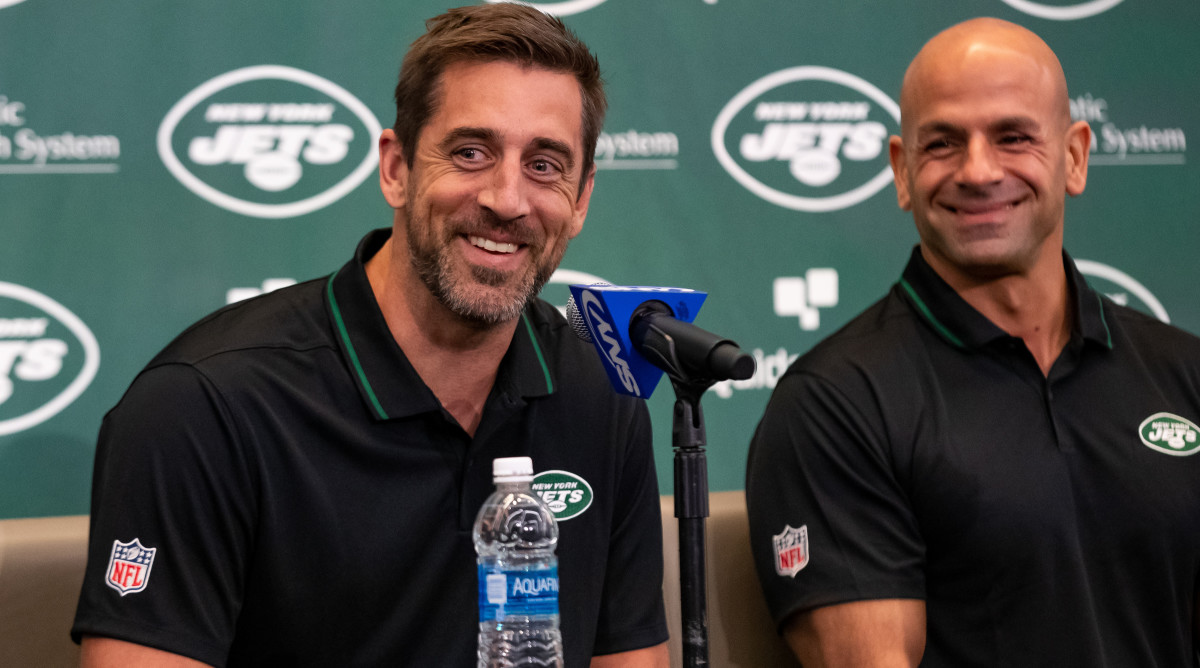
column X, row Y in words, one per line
column 567, row 494
column 269, row 141
column 808, row 138
column 1170, row 434
column 48, row 357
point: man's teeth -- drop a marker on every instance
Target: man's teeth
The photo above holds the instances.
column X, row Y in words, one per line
column 489, row 245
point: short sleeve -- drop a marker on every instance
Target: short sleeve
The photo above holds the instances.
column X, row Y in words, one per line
column 830, row 521
column 171, row 519
column 632, row 614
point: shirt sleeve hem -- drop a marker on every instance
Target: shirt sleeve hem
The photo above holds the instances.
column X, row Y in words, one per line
column 183, row 644
column 630, row 640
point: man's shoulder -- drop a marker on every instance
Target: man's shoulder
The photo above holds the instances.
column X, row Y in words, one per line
column 291, row 318
column 575, row 362
column 883, row 335
column 1151, row 337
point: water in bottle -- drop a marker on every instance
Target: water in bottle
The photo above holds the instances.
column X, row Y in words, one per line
column 515, row 534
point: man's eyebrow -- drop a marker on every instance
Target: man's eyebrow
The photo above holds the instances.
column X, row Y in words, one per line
column 458, row 134
column 938, row 128
column 1015, row 123
column 556, row 146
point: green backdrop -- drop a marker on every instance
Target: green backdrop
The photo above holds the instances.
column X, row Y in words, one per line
column 158, row 159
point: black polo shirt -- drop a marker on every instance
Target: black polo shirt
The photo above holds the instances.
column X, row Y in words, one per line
column 919, row 452
column 309, row 502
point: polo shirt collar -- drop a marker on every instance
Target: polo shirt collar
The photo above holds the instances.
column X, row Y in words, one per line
column 962, row 326
column 387, row 382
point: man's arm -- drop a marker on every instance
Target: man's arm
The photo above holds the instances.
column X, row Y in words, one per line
column 648, row 657
column 100, row 652
column 885, row 633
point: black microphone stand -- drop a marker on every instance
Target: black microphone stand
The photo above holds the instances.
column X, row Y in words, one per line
column 691, row 509
column 666, row 344
column 691, row 480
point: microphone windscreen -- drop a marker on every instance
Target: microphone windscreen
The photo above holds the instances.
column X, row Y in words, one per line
column 575, row 318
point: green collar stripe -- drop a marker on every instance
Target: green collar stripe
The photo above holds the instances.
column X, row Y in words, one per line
column 939, row 327
column 341, row 326
column 1103, row 321
column 538, row 349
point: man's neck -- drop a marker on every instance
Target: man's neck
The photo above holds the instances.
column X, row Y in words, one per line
column 1034, row 306
column 458, row 360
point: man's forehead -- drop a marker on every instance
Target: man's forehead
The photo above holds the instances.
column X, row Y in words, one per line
column 472, row 92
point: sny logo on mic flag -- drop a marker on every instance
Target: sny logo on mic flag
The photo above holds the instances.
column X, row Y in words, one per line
column 607, row 310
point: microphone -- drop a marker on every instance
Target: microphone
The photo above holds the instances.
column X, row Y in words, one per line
column 640, row 332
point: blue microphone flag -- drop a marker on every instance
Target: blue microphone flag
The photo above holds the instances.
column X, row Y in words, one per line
column 606, row 310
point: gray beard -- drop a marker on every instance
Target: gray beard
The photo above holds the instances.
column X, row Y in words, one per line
column 480, row 299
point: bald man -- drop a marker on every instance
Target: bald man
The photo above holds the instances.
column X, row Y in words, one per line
column 992, row 465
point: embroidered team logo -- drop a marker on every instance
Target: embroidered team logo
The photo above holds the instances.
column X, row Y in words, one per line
column 567, row 494
column 129, row 566
column 791, row 550
column 1171, row 434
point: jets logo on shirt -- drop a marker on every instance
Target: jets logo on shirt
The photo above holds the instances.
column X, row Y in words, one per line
column 129, row 566
column 1170, row 434
column 566, row 493
column 791, row 550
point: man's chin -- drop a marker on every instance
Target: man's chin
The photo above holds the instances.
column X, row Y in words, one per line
column 485, row 305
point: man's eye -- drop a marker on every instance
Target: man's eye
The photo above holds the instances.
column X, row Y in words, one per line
column 937, row 145
column 1014, row 139
column 543, row 167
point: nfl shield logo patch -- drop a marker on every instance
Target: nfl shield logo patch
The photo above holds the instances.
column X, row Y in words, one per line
column 791, row 550
column 129, row 566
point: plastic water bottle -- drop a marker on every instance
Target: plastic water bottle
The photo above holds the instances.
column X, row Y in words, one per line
column 515, row 534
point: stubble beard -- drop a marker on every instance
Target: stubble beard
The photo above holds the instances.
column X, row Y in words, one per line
column 481, row 296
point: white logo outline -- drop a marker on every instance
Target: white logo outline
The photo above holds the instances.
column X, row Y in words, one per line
column 564, row 8
column 1104, row 271
column 253, row 73
column 1082, row 10
column 787, row 200
column 91, row 358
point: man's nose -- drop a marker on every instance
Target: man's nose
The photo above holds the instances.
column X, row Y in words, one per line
column 505, row 193
column 979, row 165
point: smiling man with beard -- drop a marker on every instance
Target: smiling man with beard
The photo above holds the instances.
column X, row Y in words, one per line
column 977, row 470
column 294, row 480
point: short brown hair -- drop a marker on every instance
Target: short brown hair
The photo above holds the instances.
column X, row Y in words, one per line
column 495, row 32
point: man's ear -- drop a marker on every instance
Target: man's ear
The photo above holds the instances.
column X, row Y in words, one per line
column 393, row 169
column 581, row 202
column 899, row 172
column 1079, row 146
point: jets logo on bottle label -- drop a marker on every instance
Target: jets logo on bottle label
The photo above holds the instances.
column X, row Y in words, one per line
column 48, row 357
column 269, row 141
column 564, row 8
column 1170, row 434
column 567, row 494
column 1069, row 11
column 808, row 138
